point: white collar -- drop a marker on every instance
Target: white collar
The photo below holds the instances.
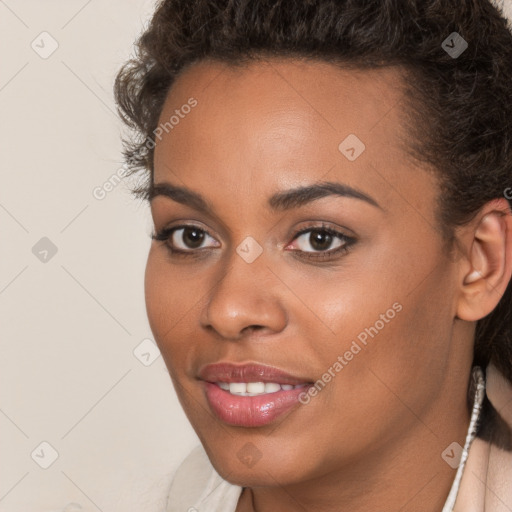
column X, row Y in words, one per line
column 478, row 382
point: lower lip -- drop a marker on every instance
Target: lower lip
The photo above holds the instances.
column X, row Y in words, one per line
column 251, row 411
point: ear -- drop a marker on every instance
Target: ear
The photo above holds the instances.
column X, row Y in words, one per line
column 485, row 276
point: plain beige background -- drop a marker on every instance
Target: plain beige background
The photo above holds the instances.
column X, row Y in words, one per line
column 70, row 324
column 78, row 369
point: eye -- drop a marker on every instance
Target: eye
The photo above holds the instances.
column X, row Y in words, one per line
column 185, row 238
column 319, row 239
column 321, row 242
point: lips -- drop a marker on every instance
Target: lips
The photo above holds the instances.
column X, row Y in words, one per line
column 228, row 389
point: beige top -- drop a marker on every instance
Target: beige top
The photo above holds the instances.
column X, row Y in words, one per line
column 483, row 481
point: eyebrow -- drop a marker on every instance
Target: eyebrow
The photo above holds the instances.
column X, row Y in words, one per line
column 280, row 201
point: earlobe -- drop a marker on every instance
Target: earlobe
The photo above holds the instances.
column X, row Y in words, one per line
column 490, row 262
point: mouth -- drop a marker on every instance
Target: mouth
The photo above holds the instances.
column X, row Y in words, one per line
column 250, row 395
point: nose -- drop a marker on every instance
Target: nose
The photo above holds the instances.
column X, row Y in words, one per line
column 244, row 298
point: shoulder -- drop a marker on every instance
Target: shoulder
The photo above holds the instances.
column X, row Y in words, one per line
column 197, row 486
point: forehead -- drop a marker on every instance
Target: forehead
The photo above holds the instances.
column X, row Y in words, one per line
column 332, row 97
column 277, row 123
column 293, row 79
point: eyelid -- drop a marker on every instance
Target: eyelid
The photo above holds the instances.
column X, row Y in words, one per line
column 320, row 225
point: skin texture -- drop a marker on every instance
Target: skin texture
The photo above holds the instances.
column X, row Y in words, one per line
column 372, row 438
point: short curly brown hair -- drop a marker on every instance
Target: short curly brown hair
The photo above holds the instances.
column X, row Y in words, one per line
column 460, row 107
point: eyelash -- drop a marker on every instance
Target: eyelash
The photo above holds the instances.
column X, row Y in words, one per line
column 165, row 234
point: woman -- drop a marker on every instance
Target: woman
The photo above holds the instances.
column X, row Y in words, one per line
column 329, row 280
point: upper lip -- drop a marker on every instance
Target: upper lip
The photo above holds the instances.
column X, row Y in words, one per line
column 248, row 372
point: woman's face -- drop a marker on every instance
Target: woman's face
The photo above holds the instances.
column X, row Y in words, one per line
column 345, row 286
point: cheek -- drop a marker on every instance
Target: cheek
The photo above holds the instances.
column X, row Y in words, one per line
column 169, row 304
column 403, row 356
column 157, row 301
column 175, row 296
column 171, row 291
column 385, row 315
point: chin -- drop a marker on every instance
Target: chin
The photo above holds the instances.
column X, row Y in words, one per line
column 266, row 475
column 245, row 465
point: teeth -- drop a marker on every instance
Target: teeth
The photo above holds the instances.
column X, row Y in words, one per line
column 237, row 388
column 255, row 388
column 272, row 387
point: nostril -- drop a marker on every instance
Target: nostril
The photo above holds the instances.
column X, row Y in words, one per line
column 251, row 328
